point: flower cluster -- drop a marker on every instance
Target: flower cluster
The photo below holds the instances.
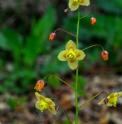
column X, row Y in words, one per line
column 72, row 55
column 43, row 103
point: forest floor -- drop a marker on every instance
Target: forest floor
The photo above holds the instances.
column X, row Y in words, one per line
column 91, row 113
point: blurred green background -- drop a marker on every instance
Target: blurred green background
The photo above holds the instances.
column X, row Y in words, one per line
column 26, row 54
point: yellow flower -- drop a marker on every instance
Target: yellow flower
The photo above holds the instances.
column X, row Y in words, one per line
column 71, row 54
column 43, row 103
column 111, row 100
column 74, row 4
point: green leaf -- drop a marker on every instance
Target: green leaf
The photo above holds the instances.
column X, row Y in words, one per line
column 79, row 90
column 3, row 42
column 53, row 81
column 15, row 102
column 44, row 25
column 109, row 6
column 12, row 42
column 81, row 84
column 39, row 34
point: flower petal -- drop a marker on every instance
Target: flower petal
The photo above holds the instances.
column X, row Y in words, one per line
column 85, row 3
column 52, row 110
column 79, row 54
column 73, row 64
column 62, row 55
column 73, row 6
column 101, row 102
column 109, row 104
column 39, row 97
column 70, row 44
column 49, row 102
column 37, row 105
column 119, row 94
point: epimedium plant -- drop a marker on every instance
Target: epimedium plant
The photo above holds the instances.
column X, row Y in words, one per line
column 72, row 54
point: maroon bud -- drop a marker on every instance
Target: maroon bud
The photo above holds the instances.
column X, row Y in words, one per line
column 106, row 100
column 56, row 107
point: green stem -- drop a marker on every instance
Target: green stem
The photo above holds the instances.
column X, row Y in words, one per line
column 65, row 114
column 76, row 97
column 93, row 46
column 76, row 84
column 65, row 32
column 58, row 79
column 89, row 100
column 85, row 16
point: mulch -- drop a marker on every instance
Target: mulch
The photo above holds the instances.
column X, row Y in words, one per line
column 91, row 113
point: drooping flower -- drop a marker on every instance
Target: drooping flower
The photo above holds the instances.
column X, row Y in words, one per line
column 93, row 20
column 71, row 54
column 39, row 85
column 111, row 100
column 52, row 36
column 104, row 55
column 74, row 4
column 43, row 103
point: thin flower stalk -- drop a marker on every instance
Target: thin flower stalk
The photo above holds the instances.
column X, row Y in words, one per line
column 93, row 46
column 85, row 16
column 58, row 79
column 64, row 31
column 89, row 100
column 64, row 113
column 76, row 84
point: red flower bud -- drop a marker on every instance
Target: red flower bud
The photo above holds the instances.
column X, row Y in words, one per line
column 104, row 55
column 52, row 36
column 39, row 85
column 93, row 21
